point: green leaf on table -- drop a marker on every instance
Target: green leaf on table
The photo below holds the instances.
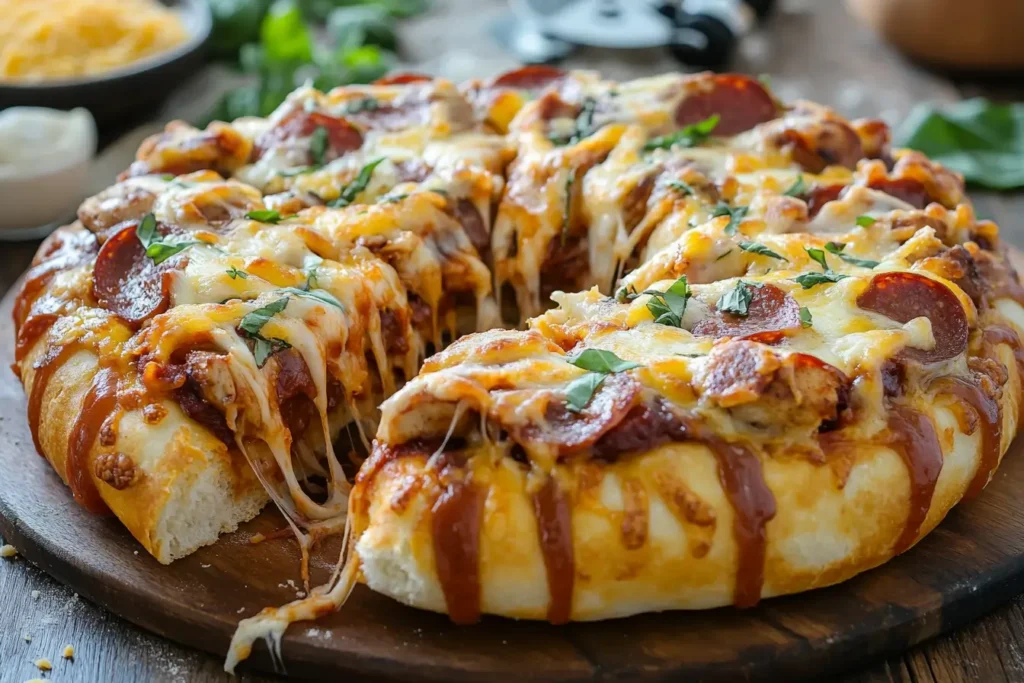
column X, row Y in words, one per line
column 981, row 139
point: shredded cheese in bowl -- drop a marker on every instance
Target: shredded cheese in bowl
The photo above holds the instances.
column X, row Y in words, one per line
column 62, row 39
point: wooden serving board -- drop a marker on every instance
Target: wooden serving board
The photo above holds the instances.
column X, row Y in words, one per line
column 970, row 564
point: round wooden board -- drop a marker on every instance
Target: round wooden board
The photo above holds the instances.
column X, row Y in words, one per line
column 971, row 563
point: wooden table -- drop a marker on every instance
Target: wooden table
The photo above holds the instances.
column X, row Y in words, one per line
column 811, row 49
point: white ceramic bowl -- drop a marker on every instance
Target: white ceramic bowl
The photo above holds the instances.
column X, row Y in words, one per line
column 45, row 156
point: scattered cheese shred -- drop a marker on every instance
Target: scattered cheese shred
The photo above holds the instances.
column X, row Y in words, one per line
column 7, row 551
column 43, row 664
column 69, row 652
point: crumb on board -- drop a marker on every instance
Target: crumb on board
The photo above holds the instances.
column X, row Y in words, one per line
column 35, row 595
column 28, row 638
column 7, row 551
column 37, row 680
column 43, row 664
column 69, row 652
column 256, row 538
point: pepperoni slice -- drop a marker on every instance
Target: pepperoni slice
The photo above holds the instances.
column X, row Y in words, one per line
column 403, row 78
column 909, row 190
column 531, row 77
column 771, row 313
column 126, row 282
column 342, row 136
column 905, row 296
column 820, row 195
column 570, row 431
column 739, row 100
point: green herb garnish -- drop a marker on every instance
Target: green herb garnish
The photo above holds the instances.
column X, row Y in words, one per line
column 735, row 214
column 157, row 249
column 808, row 280
column 361, row 105
column 681, row 187
column 805, row 317
column 837, row 249
column 252, row 324
column 352, row 190
column 321, row 295
column 567, row 215
column 758, row 248
column 318, row 145
column 669, row 306
column 599, row 363
column 688, row 136
column 865, row 221
column 264, row 216
column 736, row 300
column 235, row 273
column 797, row 188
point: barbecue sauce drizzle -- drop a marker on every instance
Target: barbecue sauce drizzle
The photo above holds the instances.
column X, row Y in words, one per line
column 456, row 521
column 44, row 368
column 990, row 417
column 99, row 404
column 913, row 437
column 554, row 528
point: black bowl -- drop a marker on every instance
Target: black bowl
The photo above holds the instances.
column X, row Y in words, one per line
column 120, row 95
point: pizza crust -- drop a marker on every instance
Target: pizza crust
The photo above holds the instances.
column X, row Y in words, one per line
column 187, row 487
column 831, row 523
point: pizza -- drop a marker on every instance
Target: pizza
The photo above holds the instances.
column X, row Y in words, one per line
column 544, row 346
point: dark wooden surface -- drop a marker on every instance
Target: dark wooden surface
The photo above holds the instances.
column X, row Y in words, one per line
column 811, row 49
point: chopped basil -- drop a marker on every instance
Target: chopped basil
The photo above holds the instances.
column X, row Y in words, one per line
column 252, row 324
column 736, row 300
column 808, row 280
column 583, row 127
column 235, row 273
column 837, row 249
column 688, row 136
column 158, row 250
column 566, row 216
column 581, row 390
column 758, row 248
column 318, row 145
column 797, row 188
column 264, row 216
column 311, row 276
column 735, row 214
column 681, row 187
column 669, row 306
column 865, row 221
column 361, row 105
column 598, row 363
column 392, row 198
column 599, row 360
column 167, row 177
column 805, row 317
column 318, row 294
column 352, row 190
column 626, row 294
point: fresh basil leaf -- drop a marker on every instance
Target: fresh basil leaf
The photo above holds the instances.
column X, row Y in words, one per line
column 361, row 105
column 253, row 321
column 797, row 188
column 805, row 317
column 688, row 136
column 837, row 249
column 264, row 216
column 167, row 177
column 264, row 348
column 318, row 143
column 392, row 198
column 625, row 295
column 599, row 360
column 146, row 230
column 735, row 214
column 581, row 390
column 318, row 294
column 312, row 279
column 350, row 192
column 818, row 256
column 668, row 307
column 235, row 273
column 758, row 248
column 736, row 300
column 981, row 139
column 159, row 252
column 681, row 187
column 808, row 280
column 284, row 35
column 865, row 221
